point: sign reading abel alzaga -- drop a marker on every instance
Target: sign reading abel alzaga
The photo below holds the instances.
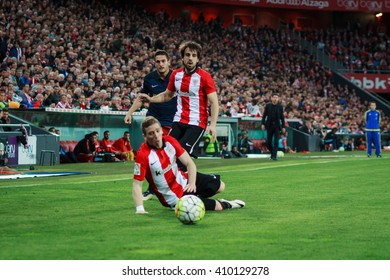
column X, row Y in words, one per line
column 379, row 83
column 328, row 5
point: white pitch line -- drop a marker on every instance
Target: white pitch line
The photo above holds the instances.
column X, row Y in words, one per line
column 65, row 183
column 242, row 170
column 285, row 165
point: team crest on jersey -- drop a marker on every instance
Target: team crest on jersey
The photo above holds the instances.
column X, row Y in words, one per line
column 195, row 81
column 170, row 149
column 137, row 169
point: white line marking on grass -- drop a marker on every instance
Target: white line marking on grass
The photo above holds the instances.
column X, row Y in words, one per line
column 285, row 165
column 64, row 183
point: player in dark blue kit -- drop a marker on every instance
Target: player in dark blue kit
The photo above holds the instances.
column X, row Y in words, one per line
column 154, row 83
column 373, row 134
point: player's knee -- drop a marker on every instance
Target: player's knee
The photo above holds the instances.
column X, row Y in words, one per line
column 218, row 206
column 221, row 187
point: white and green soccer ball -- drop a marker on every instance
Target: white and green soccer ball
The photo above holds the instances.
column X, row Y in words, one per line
column 190, row 209
column 279, row 154
column 341, row 149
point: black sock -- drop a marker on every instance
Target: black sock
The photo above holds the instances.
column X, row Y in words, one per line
column 209, row 204
column 225, row 205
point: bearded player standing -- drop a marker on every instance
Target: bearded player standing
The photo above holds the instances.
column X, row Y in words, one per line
column 195, row 90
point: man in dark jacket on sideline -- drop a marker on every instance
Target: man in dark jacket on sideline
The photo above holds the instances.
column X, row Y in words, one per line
column 273, row 121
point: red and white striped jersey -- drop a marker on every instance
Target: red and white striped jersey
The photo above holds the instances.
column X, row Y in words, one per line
column 192, row 91
column 160, row 169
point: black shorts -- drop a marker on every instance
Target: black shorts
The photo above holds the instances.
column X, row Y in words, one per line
column 207, row 185
column 188, row 136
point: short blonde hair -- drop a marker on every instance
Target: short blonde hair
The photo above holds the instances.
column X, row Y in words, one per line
column 148, row 121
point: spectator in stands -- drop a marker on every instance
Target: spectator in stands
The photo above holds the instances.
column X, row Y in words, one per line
column 3, row 100
column 52, row 96
column 253, row 109
column 52, row 129
column 25, row 78
column 95, row 104
column 107, row 105
column 116, row 104
column 5, row 119
column 26, row 96
column 63, row 103
column 123, row 146
column 126, row 103
column 38, row 101
column 3, row 45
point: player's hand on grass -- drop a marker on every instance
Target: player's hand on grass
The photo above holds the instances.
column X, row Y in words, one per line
column 141, row 212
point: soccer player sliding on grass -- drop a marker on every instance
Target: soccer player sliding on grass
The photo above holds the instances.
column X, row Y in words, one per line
column 156, row 162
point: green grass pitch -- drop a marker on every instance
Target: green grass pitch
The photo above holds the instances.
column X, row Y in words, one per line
column 319, row 206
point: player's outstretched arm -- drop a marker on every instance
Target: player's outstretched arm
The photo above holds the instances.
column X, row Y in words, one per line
column 212, row 128
column 187, row 161
column 136, row 105
column 137, row 197
column 159, row 98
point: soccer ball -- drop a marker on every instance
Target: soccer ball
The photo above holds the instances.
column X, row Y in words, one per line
column 190, row 209
column 279, row 154
column 341, row 149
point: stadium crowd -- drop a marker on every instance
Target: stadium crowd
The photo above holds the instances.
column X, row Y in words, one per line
column 71, row 54
column 359, row 49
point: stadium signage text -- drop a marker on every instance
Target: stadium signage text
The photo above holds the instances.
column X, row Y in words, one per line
column 10, row 150
column 378, row 83
column 306, row 3
column 328, row 5
column 357, row 4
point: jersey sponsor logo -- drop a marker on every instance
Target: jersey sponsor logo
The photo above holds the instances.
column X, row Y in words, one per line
column 153, row 162
column 165, row 170
column 182, row 93
column 153, row 86
column 137, row 169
